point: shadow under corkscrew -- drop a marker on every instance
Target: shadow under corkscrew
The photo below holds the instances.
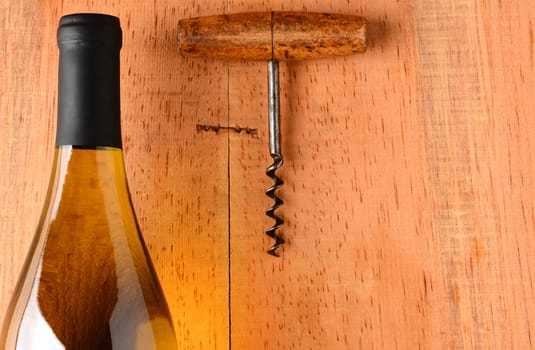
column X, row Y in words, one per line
column 271, row 232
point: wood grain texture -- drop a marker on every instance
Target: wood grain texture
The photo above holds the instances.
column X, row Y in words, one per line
column 409, row 174
column 272, row 35
column 303, row 35
column 226, row 36
column 408, row 195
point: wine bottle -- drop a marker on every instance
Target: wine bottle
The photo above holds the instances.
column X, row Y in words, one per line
column 88, row 281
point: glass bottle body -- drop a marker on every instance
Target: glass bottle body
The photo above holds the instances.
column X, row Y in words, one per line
column 88, row 282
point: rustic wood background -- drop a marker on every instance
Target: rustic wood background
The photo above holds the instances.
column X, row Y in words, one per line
column 410, row 173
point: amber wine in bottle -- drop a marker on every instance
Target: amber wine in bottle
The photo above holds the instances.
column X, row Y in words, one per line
column 88, row 282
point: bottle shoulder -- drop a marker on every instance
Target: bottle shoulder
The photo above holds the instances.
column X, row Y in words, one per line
column 89, row 278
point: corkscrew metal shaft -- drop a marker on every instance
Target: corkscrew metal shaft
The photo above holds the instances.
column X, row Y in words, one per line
column 276, row 154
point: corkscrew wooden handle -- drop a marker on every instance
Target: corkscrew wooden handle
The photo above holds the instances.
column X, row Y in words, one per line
column 280, row 36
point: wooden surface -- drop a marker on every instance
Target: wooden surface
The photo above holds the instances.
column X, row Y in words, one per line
column 410, row 174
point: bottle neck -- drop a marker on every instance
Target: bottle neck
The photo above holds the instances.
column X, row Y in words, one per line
column 84, row 177
column 88, row 95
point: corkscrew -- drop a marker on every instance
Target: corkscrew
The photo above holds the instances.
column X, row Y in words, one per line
column 273, row 37
column 276, row 154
